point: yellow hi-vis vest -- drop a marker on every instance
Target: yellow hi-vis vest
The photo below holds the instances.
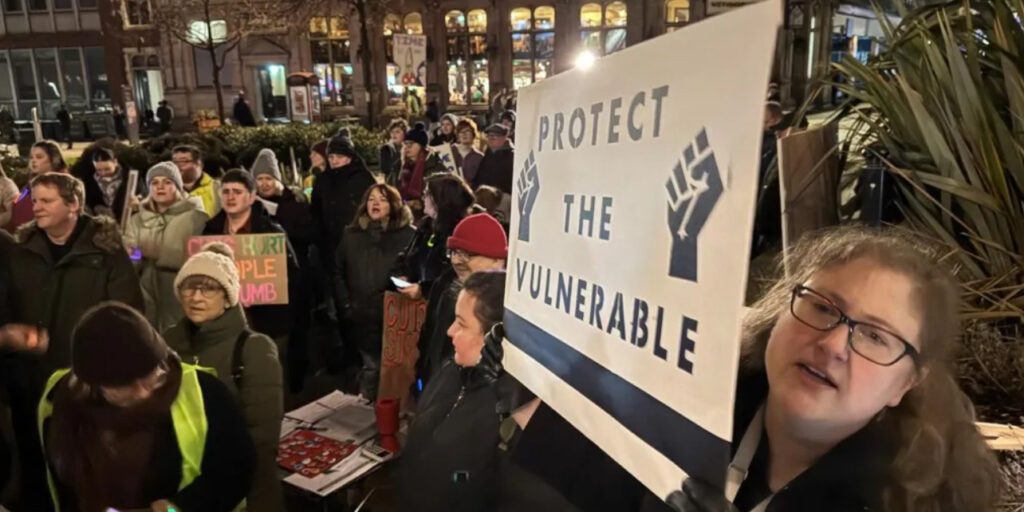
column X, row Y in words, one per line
column 187, row 414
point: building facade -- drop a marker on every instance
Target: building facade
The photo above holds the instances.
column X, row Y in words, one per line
column 65, row 52
column 92, row 54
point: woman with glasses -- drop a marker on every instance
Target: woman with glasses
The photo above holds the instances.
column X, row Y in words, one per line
column 215, row 334
column 130, row 426
column 156, row 238
column 845, row 399
column 378, row 233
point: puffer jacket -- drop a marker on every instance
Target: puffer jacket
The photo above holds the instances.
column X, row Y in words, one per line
column 364, row 260
column 52, row 295
column 260, row 396
column 162, row 239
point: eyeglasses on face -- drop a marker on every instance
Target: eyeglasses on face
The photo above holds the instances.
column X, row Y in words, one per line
column 459, row 254
column 876, row 344
column 205, row 290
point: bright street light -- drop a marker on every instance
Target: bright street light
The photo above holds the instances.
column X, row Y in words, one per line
column 585, row 59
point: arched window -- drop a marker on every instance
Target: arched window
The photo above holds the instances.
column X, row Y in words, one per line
column 411, row 23
column 332, row 62
column 533, row 44
column 468, row 81
column 677, row 14
column 603, row 27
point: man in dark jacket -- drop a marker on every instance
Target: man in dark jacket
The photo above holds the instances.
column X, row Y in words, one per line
column 294, row 216
column 496, row 167
column 337, row 193
column 64, row 263
column 105, row 187
column 165, row 115
column 64, row 118
column 242, row 113
column 478, row 243
column 242, row 214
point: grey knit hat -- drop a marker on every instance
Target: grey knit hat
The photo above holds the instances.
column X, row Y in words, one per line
column 167, row 170
column 266, row 163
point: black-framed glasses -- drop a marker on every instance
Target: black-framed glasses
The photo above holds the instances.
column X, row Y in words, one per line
column 207, row 291
column 462, row 255
column 876, row 344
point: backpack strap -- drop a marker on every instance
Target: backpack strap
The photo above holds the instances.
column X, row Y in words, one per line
column 237, row 368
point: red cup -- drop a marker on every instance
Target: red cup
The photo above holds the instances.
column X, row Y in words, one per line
column 387, row 416
column 390, row 443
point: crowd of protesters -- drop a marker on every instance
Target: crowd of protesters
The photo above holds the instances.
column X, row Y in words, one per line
column 136, row 378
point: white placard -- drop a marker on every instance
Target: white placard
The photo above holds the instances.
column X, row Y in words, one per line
column 630, row 238
column 411, row 57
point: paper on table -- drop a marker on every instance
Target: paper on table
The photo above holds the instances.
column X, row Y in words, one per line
column 353, row 467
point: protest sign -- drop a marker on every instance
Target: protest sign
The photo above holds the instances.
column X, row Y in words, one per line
column 444, row 154
column 630, row 238
column 410, row 53
column 403, row 318
column 262, row 262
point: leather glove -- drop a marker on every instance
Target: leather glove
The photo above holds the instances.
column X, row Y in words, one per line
column 698, row 496
column 492, row 353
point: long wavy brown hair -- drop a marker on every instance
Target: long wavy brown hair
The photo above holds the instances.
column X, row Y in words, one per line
column 942, row 463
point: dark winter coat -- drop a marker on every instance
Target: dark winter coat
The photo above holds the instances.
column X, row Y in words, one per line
column 434, row 344
column 337, row 194
column 496, row 169
column 391, row 162
column 261, row 396
column 294, row 216
column 849, row 478
column 53, row 294
column 273, row 320
column 364, row 261
column 426, row 256
column 243, row 114
column 94, row 194
column 450, row 460
column 226, row 472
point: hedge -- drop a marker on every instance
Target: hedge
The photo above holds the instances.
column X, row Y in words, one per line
column 224, row 148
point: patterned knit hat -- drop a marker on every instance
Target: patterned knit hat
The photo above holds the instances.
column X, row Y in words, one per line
column 216, row 261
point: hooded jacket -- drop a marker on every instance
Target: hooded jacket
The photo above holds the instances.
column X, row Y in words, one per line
column 162, row 239
column 260, row 397
column 53, row 294
column 336, row 197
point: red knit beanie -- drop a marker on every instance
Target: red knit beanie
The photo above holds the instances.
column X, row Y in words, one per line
column 480, row 234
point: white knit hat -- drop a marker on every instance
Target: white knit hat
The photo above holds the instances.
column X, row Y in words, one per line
column 217, row 261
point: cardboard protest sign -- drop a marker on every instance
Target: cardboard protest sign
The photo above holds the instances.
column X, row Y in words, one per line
column 262, row 262
column 403, row 318
column 631, row 229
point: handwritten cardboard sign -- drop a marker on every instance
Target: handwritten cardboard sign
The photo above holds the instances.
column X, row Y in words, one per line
column 403, row 319
column 262, row 262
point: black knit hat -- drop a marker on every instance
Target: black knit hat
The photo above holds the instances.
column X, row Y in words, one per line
column 113, row 345
column 341, row 144
column 417, row 134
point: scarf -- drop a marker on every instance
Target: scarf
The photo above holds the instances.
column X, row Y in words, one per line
column 109, row 185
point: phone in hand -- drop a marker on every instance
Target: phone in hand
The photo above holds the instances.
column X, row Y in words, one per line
column 400, row 283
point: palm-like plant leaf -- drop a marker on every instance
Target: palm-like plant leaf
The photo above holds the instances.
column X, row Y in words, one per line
column 945, row 101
